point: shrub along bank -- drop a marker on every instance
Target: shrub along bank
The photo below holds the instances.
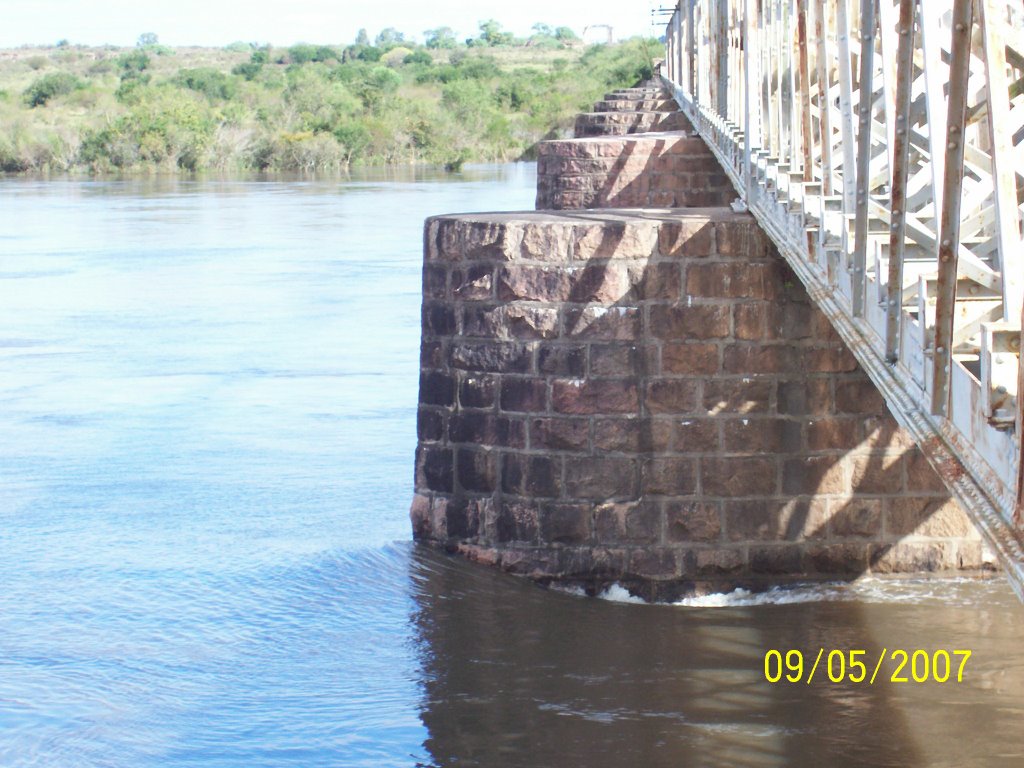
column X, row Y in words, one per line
column 306, row 108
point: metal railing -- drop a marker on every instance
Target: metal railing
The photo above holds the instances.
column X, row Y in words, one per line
column 880, row 143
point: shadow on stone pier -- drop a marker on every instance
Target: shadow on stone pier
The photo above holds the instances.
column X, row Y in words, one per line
column 649, row 397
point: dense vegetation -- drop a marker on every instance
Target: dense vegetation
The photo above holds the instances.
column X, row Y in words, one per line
column 307, row 107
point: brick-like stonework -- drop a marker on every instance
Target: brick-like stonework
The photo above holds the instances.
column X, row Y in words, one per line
column 623, row 123
column 643, row 170
column 649, row 397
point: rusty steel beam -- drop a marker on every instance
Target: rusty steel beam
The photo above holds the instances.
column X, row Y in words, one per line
column 949, row 235
column 824, row 106
column 807, row 137
column 901, row 155
column 864, row 107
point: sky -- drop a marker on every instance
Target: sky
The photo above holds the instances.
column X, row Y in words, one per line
column 284, row 22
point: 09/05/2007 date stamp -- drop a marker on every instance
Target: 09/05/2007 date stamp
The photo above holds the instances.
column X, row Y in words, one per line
column 855, row 666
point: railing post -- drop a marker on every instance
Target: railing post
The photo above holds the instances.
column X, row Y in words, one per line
column 846, row 106
column 748, row 118
column 677, row 63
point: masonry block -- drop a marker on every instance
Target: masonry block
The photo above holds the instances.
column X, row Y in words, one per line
column 645, row 396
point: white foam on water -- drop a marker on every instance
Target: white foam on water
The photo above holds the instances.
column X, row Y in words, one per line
column 775, row 596
column 619, row 594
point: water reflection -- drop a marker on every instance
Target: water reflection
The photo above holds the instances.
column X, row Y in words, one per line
column 518, row 676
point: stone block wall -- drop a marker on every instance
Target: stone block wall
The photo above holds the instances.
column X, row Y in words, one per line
column 649, row 397
column 644, row 170
column 623, row 123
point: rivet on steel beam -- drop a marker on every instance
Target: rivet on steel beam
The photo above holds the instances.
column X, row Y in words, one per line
column 892, row 302
column 960, row 27
column 951, row 145
column 946, row 243
column 940, row 350
column 945, row 257
column 901, row 131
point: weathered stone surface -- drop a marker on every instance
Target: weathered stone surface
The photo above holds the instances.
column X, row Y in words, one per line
column 531, row 475
column 583, row 396
column 738, row 476
column 517, row 521
column 685, row 322
column 913, row 557
column 769, row 520
column 481, row 428
column 571, row 434
column 563, row 360
column 477, row 470
column 566, row 523
column 646, row 396
column 603, row 323
column 939, row 517
column 658, row 169
column 430, row 425
column 857, row 518
column 693, row 522
column 473, row 283
column 601, row 477
column 669, row 477
column 689, row 359
column 677, row 396
column 477, row 391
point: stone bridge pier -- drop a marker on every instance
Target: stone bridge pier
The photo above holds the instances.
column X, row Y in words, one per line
column 630, row 386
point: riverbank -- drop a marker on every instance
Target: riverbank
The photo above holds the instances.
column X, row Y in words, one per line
column 305, row 108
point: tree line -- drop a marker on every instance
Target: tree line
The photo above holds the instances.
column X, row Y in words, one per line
column 306, row 107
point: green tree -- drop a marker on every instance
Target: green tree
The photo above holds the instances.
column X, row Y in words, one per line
column 210, row 82
column 147, row 38
column 362, row 38
column 389, row 38
column 419, row 57
column 49, row 86
column 132, row 63
column 565, row 34
column 442, row 37
column 354, row 137
column 492, row 33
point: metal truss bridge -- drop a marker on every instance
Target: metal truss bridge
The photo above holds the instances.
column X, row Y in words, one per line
column 880, row 143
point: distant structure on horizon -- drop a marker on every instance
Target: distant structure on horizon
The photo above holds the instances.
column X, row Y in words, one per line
column 606, row 27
